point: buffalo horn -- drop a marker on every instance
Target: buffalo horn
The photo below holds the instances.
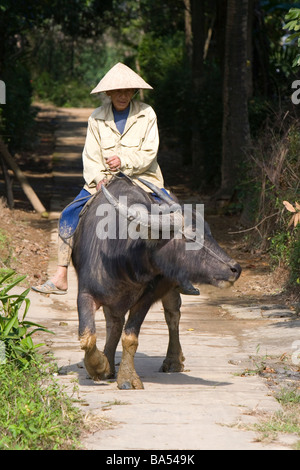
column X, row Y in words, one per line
column 124, row 210
column 160, row 193
column 176, row 219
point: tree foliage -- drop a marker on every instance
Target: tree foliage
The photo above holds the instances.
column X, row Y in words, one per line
column 212, row 96
column 58, row 50
column 293, row 24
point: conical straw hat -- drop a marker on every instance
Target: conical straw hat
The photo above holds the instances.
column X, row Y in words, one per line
column 119, row 77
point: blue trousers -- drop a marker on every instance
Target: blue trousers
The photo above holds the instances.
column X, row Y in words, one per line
column 69, row 218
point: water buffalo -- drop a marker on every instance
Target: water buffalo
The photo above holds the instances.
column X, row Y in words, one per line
column 123, row 272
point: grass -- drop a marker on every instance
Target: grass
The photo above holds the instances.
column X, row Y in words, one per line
column 35, row 413
column 284, row 421
column 287, row 420
column 5, row 250
column 289, row 396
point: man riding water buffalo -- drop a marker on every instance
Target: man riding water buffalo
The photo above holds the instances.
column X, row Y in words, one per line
column 123, row 273
column 121, row 136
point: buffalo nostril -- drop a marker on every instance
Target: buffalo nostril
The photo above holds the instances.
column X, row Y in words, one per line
column 236, row 269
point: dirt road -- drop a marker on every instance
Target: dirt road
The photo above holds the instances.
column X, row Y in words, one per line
column 212, row 404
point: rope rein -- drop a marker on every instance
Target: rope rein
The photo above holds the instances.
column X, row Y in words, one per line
column 206, row 248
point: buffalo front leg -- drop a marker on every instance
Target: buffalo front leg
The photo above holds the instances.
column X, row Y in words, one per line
column 174, row 358
column 127, row 377
column 95, row 361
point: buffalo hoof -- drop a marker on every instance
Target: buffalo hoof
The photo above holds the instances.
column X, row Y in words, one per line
column 125, row 386
column 172, row 365
column 97, row 365
column 134, row 384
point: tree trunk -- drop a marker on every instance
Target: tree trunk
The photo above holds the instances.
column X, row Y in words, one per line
column 32, row 197
column 221, row 13
column 261, row 52
column 236, row 131
column 250, row 49
column 188, row 29
column 198, row 31
column 8, row 184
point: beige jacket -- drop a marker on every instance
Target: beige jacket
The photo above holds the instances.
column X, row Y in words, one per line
column 137, row 147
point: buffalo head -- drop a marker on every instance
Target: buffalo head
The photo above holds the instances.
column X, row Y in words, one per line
column 179, row 239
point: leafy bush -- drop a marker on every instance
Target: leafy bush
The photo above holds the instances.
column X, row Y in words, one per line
column 295, row 260
column 162, row 62
column 35, row 413
column 285, row 250
column 270, row 179
column 67, row 93
column 16, row 334
column 293, row 24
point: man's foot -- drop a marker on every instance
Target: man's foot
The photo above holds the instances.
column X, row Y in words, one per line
column 187, row 288
column 49, row 288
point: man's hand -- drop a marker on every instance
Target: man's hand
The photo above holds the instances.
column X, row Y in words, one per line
column 114, row 163
column 104, row 181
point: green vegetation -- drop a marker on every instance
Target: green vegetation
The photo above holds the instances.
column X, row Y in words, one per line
column 285, row 250
column 271, row 193
column 286, row 397
column 293, row 24
column 35, row 413
column 15, row 333
column 284, row 421
column 5, row 251
column 286, row 392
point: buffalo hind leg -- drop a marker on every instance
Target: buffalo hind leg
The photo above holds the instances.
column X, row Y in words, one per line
column 174, row 361
column 95, row 361
column 114, row 327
